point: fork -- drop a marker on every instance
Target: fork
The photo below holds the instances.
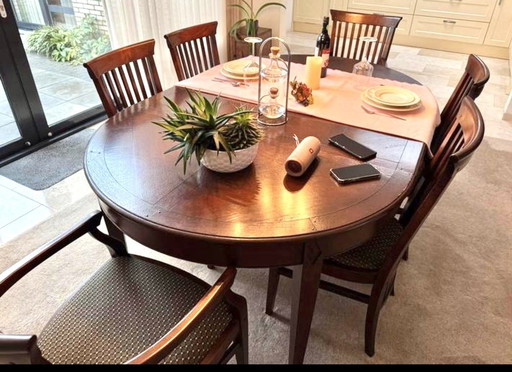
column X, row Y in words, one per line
column 233, row 83
column 371, row 112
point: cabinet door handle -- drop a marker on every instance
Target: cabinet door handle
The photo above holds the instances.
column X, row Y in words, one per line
column 449, row 21
column 3, row 11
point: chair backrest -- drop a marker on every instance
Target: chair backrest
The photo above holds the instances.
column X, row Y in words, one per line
column 349, row 27
column 193, row 49
column 470, row 84
column 125, row 76
column 462, row 139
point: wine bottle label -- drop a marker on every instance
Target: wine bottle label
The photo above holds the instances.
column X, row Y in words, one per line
column 325, row 56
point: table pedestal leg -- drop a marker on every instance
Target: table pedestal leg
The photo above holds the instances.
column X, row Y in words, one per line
column 117, row 234
column 306, row 281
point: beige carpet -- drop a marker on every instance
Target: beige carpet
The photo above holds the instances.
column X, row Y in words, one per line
column 453, row 300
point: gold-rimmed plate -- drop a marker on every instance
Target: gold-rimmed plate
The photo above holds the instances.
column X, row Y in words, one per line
column 393, row 96
column 238, row 77
column 372, row 103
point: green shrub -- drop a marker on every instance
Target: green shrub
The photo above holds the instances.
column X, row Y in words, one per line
column 75, row 45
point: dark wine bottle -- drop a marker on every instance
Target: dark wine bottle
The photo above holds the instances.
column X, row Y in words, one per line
column 323, row 46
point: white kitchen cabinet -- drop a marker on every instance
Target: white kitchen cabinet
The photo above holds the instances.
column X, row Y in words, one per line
column 470, row 10
column 339, row 4
column 384, row 6
column 500, row 27
column 308, row 11
column 449, row 29
column 308, row 14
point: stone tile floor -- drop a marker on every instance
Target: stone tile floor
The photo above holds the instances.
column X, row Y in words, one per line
column 23, row 208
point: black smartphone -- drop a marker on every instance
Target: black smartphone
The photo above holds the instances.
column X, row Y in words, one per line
column 355, row 173
column 354, row 148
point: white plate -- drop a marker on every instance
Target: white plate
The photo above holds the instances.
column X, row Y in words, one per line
column 392, row 96
column 236, row 77
column 388, row 108
column 237, row 67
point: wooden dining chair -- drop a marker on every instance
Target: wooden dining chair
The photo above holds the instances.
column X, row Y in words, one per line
column 125, row 76
column 193, row 49
column 376, row 262
column 471, row 84
column 131, row 310
column 349, row 27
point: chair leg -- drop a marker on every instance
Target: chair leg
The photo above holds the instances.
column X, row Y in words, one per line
column 405, row 257
column 372, row 318
column 242, row 354
column 273, row 282
column 392, row 292
column 377, row 299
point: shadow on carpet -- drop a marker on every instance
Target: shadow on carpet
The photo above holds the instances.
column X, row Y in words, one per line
column 51, row 164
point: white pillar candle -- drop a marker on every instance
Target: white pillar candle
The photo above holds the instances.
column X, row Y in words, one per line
column 313, row 72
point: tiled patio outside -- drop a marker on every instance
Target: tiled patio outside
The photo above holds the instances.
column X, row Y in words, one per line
column 64, row 89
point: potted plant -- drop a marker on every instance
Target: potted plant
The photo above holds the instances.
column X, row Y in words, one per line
column 223, row 143
column 251, row 17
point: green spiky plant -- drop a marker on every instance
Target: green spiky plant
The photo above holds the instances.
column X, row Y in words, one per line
column 243, row 132
column 251, row 17
column 200, row 127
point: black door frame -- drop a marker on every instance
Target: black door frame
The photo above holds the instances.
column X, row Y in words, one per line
column 21, row 92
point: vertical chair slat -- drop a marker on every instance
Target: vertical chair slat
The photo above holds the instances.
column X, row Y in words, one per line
column 117, row 82
column 351, row 40
column 113, row 91
column 148, row 76
column 127, row 87
column 360, row 45
column 136, row 65
column 379, row 44
column 196, row 52
column 206, row 52
column 133, row 82
column 157, row 85
column 188, row 61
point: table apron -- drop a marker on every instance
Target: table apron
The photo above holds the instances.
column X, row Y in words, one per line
column 242, row 253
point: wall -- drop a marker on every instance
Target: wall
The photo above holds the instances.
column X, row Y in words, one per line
column 92, row 7
column 272, row 17
column 508, row 107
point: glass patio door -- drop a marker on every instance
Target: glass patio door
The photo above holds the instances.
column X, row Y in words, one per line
column 18, row 128
column 46, row 92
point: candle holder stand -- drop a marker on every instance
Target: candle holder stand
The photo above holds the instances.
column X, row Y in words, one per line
column 274, row 85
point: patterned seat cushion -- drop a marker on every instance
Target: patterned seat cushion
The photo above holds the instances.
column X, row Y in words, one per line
column 126, row 306
column 371, row 255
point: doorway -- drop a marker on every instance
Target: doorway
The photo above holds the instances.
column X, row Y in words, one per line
column 45, row 93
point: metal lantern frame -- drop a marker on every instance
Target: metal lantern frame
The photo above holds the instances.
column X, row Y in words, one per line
column 261, row 48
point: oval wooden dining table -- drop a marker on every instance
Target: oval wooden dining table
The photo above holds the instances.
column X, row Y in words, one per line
column 258, row 217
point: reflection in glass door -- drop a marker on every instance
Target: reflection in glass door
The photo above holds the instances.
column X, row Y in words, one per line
column 8, row 129
column 69, row 32
column 45, row 91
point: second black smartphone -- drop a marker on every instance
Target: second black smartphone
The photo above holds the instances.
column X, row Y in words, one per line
column 354, row 148
column 355, row 173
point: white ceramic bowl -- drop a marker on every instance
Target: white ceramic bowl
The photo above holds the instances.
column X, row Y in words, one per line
column 219, row 161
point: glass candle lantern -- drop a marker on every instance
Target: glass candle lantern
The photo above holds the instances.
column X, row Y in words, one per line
column 273, row 87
